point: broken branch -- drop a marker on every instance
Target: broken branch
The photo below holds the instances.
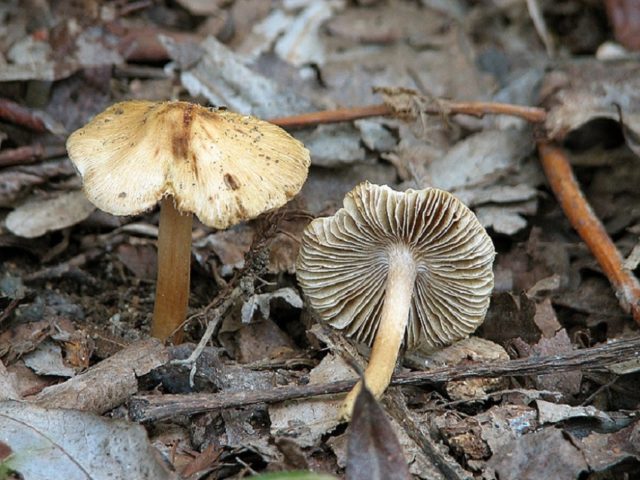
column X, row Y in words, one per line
column 575, row 206
column 16, row 113
column 476, row 109
column 157, row 407
column 30, row 154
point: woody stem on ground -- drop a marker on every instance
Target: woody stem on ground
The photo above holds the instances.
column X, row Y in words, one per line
column 174, row 269
column 154, row 407
column 576, row 208
column 393, row 323
column 476, row 109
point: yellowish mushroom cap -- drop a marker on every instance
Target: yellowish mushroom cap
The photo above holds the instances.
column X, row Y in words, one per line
column 344, row 259
column 223, row 167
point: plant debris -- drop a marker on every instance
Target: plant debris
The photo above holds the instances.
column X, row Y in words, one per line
column 527, row 112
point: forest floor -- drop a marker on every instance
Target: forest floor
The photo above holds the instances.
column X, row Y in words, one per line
column 546, row 388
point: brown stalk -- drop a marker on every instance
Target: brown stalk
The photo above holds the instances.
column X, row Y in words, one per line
column 575, row 206
column 174, row 269
column 476, row 109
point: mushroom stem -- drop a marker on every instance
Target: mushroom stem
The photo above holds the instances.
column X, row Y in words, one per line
column 393, row 323
column 174, row 269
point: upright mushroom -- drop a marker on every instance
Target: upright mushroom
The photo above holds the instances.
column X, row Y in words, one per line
column 222, row 166
column 389, row 267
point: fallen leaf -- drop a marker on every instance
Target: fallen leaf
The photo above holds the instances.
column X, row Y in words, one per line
column 603, row 451
column 293, row 476
column 510, row 316
column 325, row 188
column 108, row 383
column 480, row 159
column 141, row 260
column 300, row 43
column 202, row 7
column 37, row 217
column 307, row 420
column 262, row 302
column 542, row 454
column 333, row 145
column 506, row 220
column 553, row 413
column 545, row 318
column 47, row 360
column 15, row 181
column 8, row 386
column 23, row 338
column 256, row 341
column 223, row 78
column 567, row 383
column 51, row 443
column 374, row 452
column 467, row 351
column 488, row 432
column 580, row 92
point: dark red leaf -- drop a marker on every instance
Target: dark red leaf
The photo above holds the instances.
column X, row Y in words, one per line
column 374, row 452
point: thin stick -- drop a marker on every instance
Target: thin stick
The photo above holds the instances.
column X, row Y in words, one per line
column 174, row 269
column 15, row 113
column 575, row 206
column 29, row 154
column 476, row 109
column 333, row 116
column 215, row 319
column 158, row 407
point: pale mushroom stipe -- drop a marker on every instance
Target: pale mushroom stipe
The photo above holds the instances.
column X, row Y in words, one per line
column 391, row 267
column 221, row 166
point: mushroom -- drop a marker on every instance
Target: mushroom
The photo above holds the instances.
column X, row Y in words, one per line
column 221, row 166
column 389, row 267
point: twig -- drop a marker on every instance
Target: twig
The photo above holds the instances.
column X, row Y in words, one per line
column 476, row 109
column 575, row 206
column 29, row 154
column 134, row 7
column 157, row 407
column 69, row 269
column 397, row 407
column 16, row 113
column 535, row 12
column 333, row 116
column 240, row 285
column 215, row 319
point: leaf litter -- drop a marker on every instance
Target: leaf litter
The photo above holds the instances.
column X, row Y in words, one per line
column 76, row 287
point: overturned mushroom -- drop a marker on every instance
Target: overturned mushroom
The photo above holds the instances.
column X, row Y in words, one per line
column 392, row 267
column 222, row 166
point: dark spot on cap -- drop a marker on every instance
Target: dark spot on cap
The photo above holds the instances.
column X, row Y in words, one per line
column 122, row 195
column 241, row 207
column 118, row 110
column 187, row 116
column 180, row 140
column 180, row 144
column 231, row 181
